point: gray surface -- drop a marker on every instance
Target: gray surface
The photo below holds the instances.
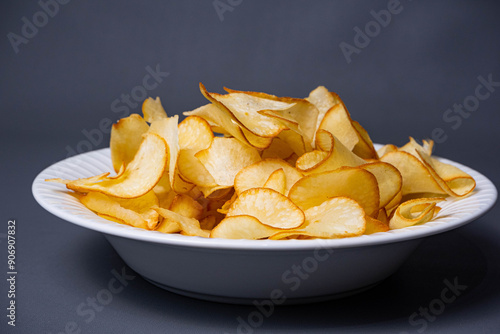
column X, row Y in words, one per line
column 65, row 79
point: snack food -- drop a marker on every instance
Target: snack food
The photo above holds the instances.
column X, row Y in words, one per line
column 281, row 168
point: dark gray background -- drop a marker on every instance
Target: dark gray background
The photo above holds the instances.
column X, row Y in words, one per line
column 64, row 80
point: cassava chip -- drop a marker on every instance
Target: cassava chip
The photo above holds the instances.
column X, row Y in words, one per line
column 140, row 175
column 245, row 107
column 257, row 174
column 277, row 181
column 153, row 110
column 188, row 226
column 389, row 180
column 269, row 207
column 415, row 211
column 332, row 154
column 353, row 182
column 167, row 129
column 186, row 206
column 126, row 137
column 136, row 212
column 337, row 217
column 242, row 227
column 374, row 225
column 225, row 158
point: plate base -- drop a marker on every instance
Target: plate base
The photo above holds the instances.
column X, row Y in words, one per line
column 250, row 301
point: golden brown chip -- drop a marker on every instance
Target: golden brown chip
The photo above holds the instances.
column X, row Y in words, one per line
column 225, row 158
column 374, row 226
column 389, row 180
column 187, row 226
column 257, row 174
column 337, row 217
column 269, row 207
column 186, row 206
column 136, row 212
column 412, row 212
column 168, row 130
column 332, row 154
column 153, row 110
column 277, row 181
column 126, row 137
column 353, row 182
column 140, row 175
column 242, row 227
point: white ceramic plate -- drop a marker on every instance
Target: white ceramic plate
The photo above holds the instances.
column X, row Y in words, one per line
column 241, row 271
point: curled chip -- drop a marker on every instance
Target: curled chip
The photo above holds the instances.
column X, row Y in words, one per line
column 153, row 110
column 353, row 182
column 245, row 107
column 389, row 180
column 269, row 207
column 277, row 181
column 423, row 174
column 139, row 177
column 126, row 137
column 332, row 154
column 187, row 226
column 194, row 135
column 136, row 212
column 416, row 211
column 167, row 129
column 225, row 158
column 258, row 173
column 242, row 227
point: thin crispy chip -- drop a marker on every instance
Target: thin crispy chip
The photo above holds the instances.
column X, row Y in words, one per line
column 278, row 149
column 258, row 173
column 194, row 135
column 245, row 107
column 136, row 212
column 300, row 117
column 188, row 226
column 153, row 110
column 412, row 212
column 337, row 217
column 353, row 182
column 140, row 175
column 225, row 158
column 323, row 100
column 167, row 129
column 277, row 181
column 374, row 225
column 389, row 180
column 186, row 206
column 242, row 227
column 332, row 154
column 269, row 207
column 126, row 137
column 416, row 177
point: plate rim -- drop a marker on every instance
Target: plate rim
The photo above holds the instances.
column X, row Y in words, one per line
column 382, row 238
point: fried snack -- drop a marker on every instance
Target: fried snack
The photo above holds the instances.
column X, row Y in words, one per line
column 280, row 168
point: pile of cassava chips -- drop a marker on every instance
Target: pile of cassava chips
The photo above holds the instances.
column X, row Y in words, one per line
column 281, row 168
